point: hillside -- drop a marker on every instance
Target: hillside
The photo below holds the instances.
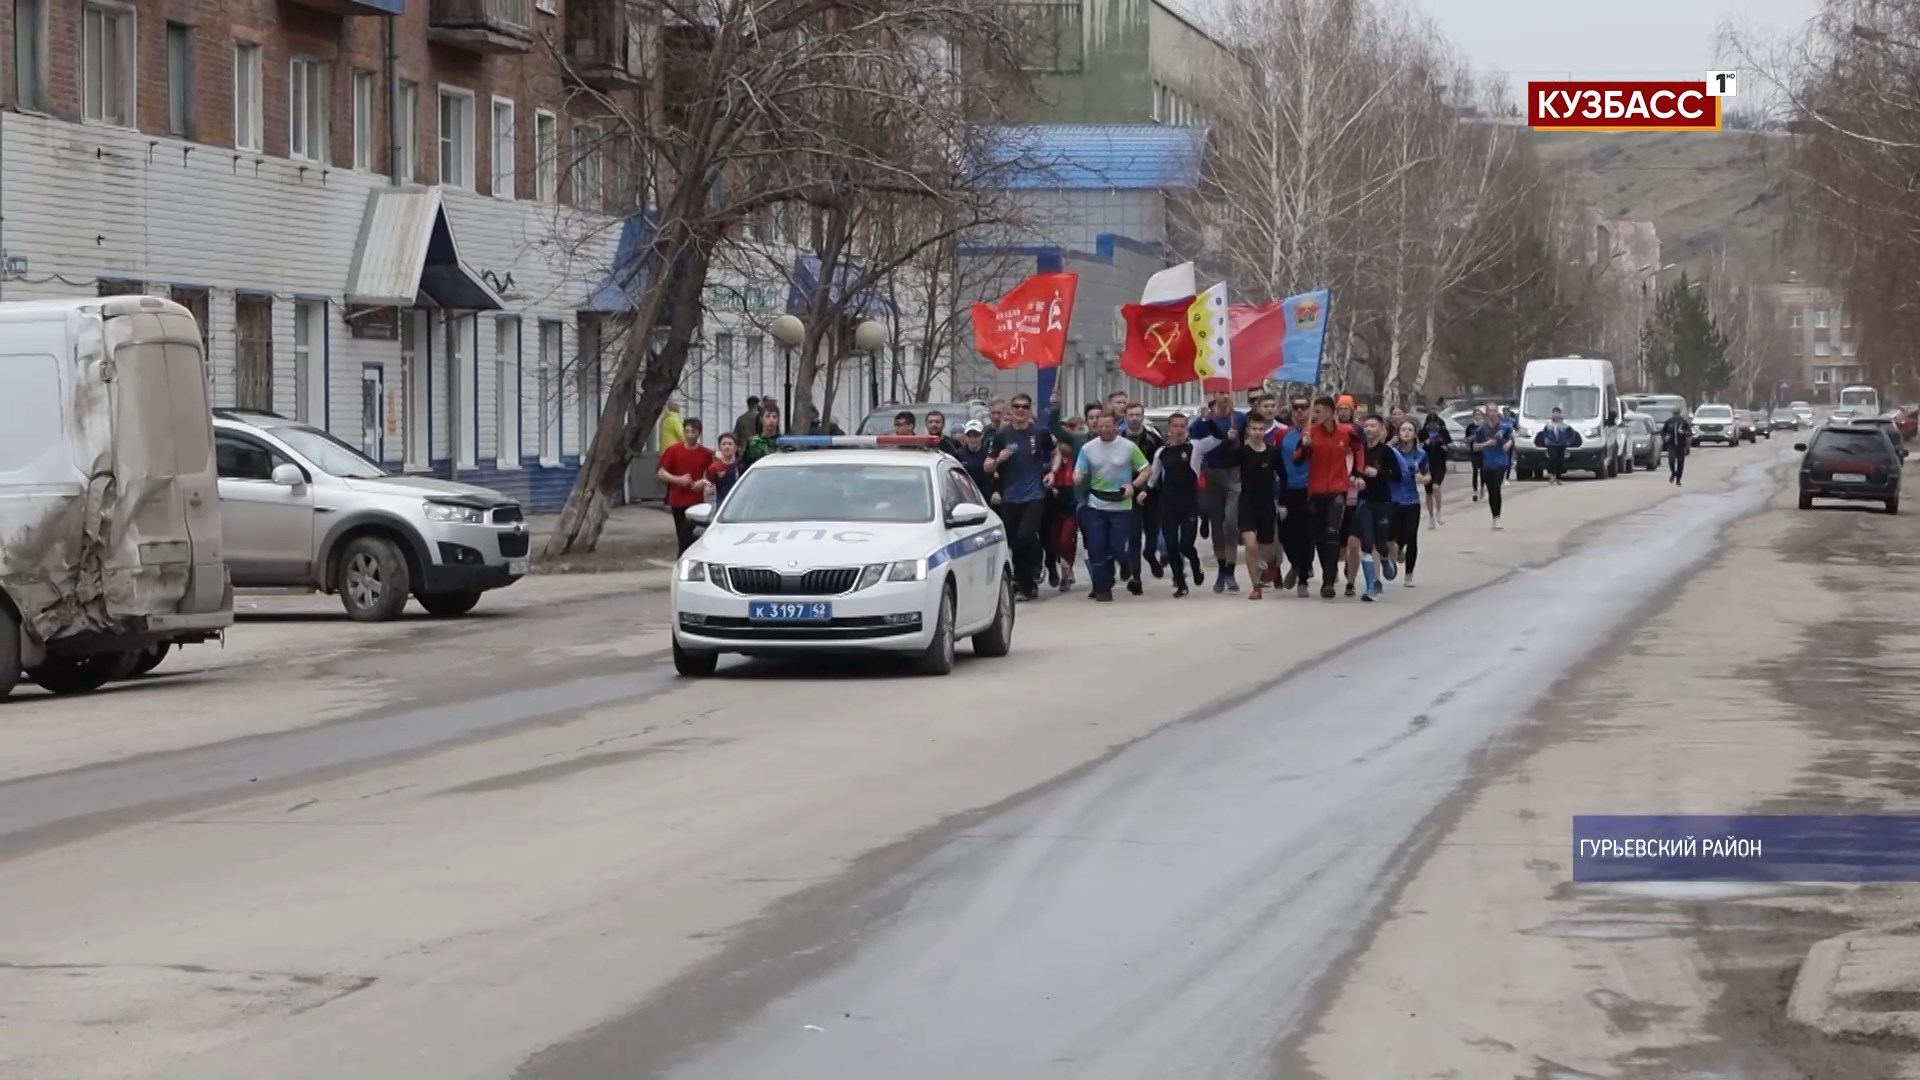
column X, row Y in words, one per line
column 1698, row 188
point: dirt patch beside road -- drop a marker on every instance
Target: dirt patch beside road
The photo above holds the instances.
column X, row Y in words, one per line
column 1774, row 683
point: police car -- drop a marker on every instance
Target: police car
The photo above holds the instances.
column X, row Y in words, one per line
column 850, row 544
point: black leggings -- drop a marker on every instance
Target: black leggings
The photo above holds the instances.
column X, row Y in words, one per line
column 1406, row 533
column 1491, row 478
column 1329, row 511
column 1178, row 531
column 1479, row 470
column 1677, row 465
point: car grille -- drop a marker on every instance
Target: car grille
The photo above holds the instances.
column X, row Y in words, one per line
column 858, row 628
column 514, row 545
column 507, row 515
column 758, row 581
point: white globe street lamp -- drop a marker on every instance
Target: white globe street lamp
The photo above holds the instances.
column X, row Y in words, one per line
column 790, row 333
column 870, row 337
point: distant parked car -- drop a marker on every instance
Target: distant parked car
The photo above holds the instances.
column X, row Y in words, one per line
column 1802, row 410
column 1850, row 461
column 1886, row 426
column 1644, row 439
column 1750, row 426
column 1907, row 419
column 880, row 420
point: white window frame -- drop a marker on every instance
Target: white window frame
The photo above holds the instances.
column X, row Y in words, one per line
column 363, row 112
column 552, row 390
column 1793, row 320
column 1847, row 348
column 546, row 156
column 462, row 154
column 249, row 103
column 310, row 362
column 123, row 70
column 585, row 157
column 307, row 121
column 500, row 147
column 506, row 391
column 409, row 131
column 1822, row 348
column 1822, row 319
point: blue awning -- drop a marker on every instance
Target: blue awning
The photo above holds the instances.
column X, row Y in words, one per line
column 805, row 278
column 627, row 282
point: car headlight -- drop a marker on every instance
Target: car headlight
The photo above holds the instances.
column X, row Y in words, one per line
column 908, row 570
column 870, row 576
column 1591, row 433
column 464, row 515
column 691, row 570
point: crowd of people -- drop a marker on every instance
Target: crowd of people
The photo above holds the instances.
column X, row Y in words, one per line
column 1318, row 491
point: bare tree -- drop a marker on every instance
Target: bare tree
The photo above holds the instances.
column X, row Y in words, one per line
column 768, row 102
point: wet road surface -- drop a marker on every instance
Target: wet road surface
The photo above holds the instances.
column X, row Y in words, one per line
column 1172, row 910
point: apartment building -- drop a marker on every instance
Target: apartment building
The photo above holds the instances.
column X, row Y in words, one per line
column 388, row 216
column 1820, row 337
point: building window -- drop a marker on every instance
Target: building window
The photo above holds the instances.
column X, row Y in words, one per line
column 1846, row 319
column 120, row 287
column 363, row 135
column 247, row 99
column 106, row 65
column 552, row 341
column 30, row 53
column 546, row 151
column 1822, row 375
column 1822, row 348
column 307, row 110
column 1053, row 35
column 1846, row 348
column 1799, row 348
column 179, row 80
column 1822, row 319
column 409, row 138
column 587, row 190
column 456, row 138
column 501, row 138
column 253, row 357
column 1793, row 320
column 506, row 391
column 310, row 362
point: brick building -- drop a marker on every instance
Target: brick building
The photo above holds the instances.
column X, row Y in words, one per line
column 1820, row 338
column 425, row 290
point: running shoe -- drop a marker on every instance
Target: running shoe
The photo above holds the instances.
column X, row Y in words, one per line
column 1389, row 569
column 1154, row 565
column 1496, row 524
column 1367, row 597
column 1326, row 591
column 1255, row 594
column 1199, row 575
column 1105, row 597
column 1134, row 586
column 1179, row 591
column 1053, row 575
column 1349, row 588
column 1301, row 589
column 1375, row 589
column 1233, row 584
column 1409, row 582
column 1219, row 584
column 1290, row 580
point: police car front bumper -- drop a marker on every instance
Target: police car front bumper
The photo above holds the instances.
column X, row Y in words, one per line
column 892, row 616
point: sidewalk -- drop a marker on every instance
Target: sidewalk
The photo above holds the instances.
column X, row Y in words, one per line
column 636, row 537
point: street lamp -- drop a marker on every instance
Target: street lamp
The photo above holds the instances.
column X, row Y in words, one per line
column 791, row 333
column 870, row 337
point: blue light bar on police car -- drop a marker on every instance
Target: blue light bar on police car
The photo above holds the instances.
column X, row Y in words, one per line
column 853, row 442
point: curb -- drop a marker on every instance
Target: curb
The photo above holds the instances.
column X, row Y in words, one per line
column 1813, row 1002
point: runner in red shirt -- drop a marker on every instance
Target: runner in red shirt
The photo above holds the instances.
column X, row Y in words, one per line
column 1336, row 457
column 683, row 468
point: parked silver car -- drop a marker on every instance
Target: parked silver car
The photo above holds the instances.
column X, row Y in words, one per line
column 1643, row 439
column 302, row 510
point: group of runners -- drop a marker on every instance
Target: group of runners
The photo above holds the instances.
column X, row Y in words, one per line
column 1310, row 489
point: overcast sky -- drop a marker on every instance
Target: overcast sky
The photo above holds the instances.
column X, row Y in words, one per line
column 1557, row 39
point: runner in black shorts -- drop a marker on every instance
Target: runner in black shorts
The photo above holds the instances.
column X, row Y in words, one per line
column 1259, row 512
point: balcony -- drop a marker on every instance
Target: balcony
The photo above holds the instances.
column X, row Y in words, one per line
column 355, row 7
column 481, row 26
column 607, row 43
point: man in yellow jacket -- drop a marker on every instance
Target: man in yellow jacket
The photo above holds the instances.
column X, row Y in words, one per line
column 672, row 430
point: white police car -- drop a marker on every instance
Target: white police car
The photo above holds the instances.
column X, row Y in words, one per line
column 854, row 544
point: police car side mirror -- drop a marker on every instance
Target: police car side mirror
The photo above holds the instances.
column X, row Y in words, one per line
column 966, row 515
column 700, row 515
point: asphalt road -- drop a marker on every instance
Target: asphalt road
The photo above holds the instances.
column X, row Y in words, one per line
column 1154, row 841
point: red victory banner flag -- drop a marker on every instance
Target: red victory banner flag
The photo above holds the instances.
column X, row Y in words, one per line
column 1256, row 332
column 1160, row 347
column 1029, row 324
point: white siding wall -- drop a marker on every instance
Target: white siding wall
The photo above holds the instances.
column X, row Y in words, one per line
column 82, row 203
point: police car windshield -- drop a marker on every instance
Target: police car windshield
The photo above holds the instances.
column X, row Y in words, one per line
column 887, row 494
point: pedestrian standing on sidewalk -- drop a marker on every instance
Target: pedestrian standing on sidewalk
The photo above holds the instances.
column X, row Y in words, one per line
column 725, row 470
column 1259, row 512
column 1557, row 438
column 1217, row 433
column 1381, row 470
column 1296, row 524
column 1435, row 439
column 1416, row 469
column 1146, row 526
column 683, row 468
column 1334, row 457
column 1112, row 468
column 1022, row 452
column 1494, row 441
column 1175, row 495
column 1677, row 435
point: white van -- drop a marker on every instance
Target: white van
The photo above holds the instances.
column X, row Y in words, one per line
column 109, row 509
column 1584, row 391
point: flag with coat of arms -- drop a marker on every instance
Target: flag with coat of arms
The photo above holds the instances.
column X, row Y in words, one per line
column 1178, row 334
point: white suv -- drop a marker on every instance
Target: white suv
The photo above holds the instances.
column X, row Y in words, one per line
column 301, row 509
